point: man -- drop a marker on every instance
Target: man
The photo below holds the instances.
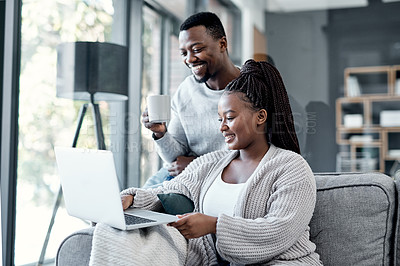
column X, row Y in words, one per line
column 193, row 129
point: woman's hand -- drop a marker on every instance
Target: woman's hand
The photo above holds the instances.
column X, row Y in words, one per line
column 194, row 225
column 127, row 201
column 180, row 164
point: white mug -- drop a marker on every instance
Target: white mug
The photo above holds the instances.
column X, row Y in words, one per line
column 159, row 108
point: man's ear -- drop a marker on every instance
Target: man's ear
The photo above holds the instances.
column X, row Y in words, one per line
column 223, row 43
column 262, row 116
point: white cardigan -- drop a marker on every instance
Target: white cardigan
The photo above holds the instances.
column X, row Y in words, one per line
column 271, row 216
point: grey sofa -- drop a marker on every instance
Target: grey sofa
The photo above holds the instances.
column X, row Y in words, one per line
column 355, row 222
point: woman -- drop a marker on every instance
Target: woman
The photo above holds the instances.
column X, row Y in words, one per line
column 253, row 203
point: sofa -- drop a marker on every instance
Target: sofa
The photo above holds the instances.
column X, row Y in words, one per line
column 355, row 222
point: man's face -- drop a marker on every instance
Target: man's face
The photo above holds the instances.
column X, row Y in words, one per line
column 201, row 53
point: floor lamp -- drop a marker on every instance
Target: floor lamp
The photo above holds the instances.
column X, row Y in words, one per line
column 91, row 72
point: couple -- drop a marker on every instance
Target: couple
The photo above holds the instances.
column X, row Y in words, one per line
column 253, row 202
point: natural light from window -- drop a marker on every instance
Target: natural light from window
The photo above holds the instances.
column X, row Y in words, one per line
column 46, row 121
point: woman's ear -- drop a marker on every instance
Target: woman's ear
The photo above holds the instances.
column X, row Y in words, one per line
column 262, row 116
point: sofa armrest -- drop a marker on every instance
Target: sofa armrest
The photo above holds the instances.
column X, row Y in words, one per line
column 75, row 249
column 355, row 219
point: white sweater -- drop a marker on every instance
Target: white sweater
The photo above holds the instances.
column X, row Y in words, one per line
column 194, row 127
column 271, row 216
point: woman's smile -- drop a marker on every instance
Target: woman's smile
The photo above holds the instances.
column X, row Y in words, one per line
column 229, row 138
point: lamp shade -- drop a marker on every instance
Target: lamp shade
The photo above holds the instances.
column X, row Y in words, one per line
column 92, row 68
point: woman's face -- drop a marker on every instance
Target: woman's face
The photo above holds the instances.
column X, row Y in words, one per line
column 240, row 125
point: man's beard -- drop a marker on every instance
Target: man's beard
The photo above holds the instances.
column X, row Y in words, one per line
column 206, row 77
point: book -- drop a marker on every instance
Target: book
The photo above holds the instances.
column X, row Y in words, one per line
column 353, row 86
column 390, row 118
column 361, row 138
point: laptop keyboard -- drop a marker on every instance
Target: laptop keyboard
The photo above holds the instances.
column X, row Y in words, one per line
column 131, row 219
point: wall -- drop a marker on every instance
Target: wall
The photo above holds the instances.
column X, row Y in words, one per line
column 312, row 49
column 362, row 37
column 297, row 43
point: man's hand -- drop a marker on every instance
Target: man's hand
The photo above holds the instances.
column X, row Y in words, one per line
column 127, row 201
column 158, row 129
column 194, row 225
column 180, row 164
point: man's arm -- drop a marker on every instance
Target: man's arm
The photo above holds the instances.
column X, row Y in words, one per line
column 180, row 164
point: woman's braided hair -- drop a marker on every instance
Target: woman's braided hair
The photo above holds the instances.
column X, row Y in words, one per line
column 264, row 89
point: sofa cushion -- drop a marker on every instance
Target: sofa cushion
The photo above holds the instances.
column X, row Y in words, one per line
column 354, row 219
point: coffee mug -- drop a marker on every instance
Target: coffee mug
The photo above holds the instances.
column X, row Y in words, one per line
column 159, row 108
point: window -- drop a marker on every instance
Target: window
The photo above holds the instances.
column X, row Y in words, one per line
column 46, row 121
column 154, row 43
column 178, row 70
column 151, row 84
column 176, row 7
column 163, row 71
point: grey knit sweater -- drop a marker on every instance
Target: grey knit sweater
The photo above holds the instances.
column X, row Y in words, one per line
column 271, row 216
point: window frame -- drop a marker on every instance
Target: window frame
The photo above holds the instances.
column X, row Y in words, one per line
column 9, row 126
column 169, row 26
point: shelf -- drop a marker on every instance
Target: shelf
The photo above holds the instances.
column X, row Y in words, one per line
column 367, row 98
column 368, row 108
column 387, row 128
column 368, row 81
column 396, row 80
column 392, row 158
column 366, row 144
column 371, row 101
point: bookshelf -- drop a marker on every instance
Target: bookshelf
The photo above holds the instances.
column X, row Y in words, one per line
column 368, row 119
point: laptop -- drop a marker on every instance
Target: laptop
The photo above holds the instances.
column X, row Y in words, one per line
column 91, row 191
